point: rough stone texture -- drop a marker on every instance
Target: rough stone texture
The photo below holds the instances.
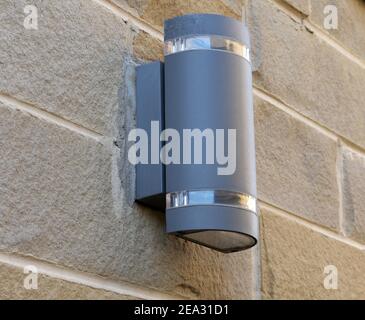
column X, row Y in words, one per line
column 12, row 287
column 62, row 201
column 73, row 65
column 156, row 11
column 147, row 48
column 294, row 258
column 354, row 194
column 301, row 5
column 296, row 166
column 350, row 23
column 306, row 73
column 68, row 199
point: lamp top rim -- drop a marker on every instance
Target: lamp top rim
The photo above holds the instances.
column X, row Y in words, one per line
column 206, row 24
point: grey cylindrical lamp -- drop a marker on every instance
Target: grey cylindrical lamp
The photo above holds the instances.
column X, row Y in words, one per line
column 208, row 85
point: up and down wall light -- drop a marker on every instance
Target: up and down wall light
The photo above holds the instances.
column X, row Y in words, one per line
column 197, row 111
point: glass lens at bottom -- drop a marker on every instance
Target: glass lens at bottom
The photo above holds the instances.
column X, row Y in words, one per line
column 223, row 241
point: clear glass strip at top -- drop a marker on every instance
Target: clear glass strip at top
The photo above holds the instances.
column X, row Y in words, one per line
column 208, row 42
column 210, row 197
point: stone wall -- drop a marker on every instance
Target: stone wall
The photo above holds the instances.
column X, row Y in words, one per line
column 310, row 134
column 67, row 103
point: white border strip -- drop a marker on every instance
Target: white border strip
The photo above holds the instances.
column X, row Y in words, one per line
column 321, row 34
column 265, row 96
column 126, row 16
column 326, row 232
column 81, row 278
column 16, row 104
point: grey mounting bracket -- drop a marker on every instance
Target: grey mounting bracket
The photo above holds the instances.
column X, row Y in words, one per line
column 150, row 178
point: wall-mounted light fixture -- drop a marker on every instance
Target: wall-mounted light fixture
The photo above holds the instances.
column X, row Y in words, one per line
column 201, row 169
